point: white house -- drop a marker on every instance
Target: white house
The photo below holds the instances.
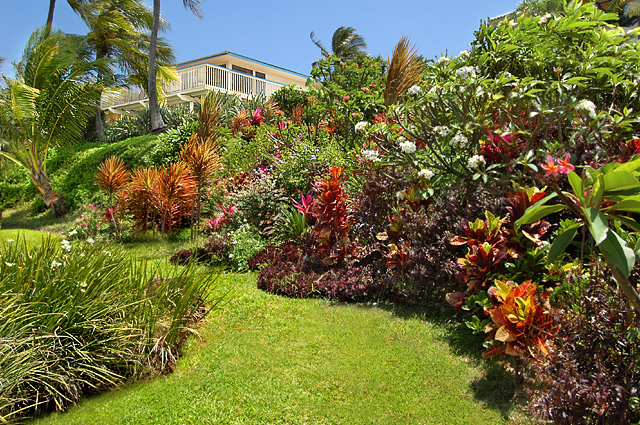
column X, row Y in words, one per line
column 226, row 72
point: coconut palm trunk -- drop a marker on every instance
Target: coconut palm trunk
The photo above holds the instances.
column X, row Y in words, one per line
column 157, row 124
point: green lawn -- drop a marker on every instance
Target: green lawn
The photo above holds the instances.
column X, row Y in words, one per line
column 264, row 359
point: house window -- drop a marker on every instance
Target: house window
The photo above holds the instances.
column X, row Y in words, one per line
column 241, row 69
column 260, row 75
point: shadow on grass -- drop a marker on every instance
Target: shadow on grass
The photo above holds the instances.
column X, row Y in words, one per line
column 496, row 388
column 24, row 218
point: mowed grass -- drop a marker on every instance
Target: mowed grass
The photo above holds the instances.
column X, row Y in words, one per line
column 264, row 359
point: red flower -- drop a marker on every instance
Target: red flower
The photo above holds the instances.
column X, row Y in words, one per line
column 365, row 89
column 346, row 98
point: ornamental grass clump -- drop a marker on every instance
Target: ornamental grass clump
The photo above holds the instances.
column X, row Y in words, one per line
column 77, row 319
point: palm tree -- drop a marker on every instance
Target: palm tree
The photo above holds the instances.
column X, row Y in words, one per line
column 152, row 91
column 346, row 43
column 75, row 4
column 118, row 32
column 47, row 104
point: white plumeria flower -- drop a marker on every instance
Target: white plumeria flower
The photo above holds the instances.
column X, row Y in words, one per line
column 73, row 232
column 441, row 130
column 459, row 140
column 370, row 155
column 475, row 161
column 545, row 18
column 464, row 54
column 587, row 107
column 444, row 59
column 467, row 72
column 9, row 264
column 425, row 174
column 361, row 126
column 55, row 264
column 414, row 90
column 10, row 240
column 408, row 146
column 90, row 240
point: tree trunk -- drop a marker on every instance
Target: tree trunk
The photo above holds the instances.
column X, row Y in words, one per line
column 99, row 125
column 49, row 196
column 49, row 24
column 157, row 125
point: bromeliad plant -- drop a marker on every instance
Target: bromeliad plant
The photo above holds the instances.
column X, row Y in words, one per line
column 602, row 200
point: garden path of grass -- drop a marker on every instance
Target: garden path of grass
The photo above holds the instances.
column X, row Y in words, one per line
column 265, row 359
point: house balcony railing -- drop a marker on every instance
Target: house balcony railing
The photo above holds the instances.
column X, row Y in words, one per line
column 196, row 81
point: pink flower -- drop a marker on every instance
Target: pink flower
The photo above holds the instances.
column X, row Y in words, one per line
column 346, row 98
column 373, row 85
column 342, row 64
column 565, row 167
column 304, row 206
column 365, row 89
column 551, row 167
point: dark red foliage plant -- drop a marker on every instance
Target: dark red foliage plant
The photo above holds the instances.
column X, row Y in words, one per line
column 333, row 220
column 593, row 373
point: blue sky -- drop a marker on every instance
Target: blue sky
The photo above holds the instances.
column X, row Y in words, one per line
column 278, row 31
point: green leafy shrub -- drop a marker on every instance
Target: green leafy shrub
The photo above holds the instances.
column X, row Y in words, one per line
column 245, row 244
column 140, row 124
column 76, row 319
column 169, row 144
column 73, row 168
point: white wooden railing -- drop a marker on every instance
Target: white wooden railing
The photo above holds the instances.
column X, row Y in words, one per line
column 203, row 77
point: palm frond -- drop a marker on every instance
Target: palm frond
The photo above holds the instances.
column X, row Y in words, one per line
column 403, row 71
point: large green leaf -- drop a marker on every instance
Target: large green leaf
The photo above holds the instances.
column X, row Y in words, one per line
column 597, row 223
column 617, row 253
column 576, row 184
column 534, row 213
column 631, row 204
column 561, row 242
column 620, row 180
column 629, row 166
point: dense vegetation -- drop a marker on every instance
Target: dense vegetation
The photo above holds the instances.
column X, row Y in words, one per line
column 503, row 180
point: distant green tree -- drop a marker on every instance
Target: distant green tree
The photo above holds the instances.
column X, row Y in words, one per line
column 119, row 33
column 346, row 43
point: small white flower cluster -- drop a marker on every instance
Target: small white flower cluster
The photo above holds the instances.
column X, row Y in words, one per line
column 441, row 130
column 459, row 140
column 444, row 59
column 414, row 90
column 400, row 195
column 90, row 240
column 544, row 19
column 475, row 161
column 360, row 127
column 55, row 264
column 408, row 146
column 73, row 233
column 587, row 107
column 66, row 245
column 9, row 264
column 467, row 72
column 464, row 54
column 10, row 240
column 370, row 155
column 425, row 174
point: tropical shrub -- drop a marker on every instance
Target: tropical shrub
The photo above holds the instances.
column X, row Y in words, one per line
column 76, row 319
column 130, row 126
column 592, row 374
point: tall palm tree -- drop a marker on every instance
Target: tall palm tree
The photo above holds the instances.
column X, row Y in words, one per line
column 75, row 4
column 118, row 32
column 346, row 43
column 152, row 91
column 47, row 104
